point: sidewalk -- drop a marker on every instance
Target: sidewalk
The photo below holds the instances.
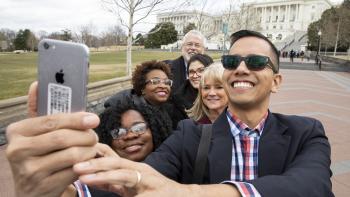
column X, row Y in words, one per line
column 319, row 94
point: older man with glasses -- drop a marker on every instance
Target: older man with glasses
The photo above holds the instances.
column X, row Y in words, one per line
column 192, row 43
column 253, row 152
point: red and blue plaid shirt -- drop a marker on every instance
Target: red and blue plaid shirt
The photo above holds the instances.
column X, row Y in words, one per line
column 245, row 146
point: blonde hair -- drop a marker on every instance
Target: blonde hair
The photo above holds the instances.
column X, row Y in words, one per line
column 199, row 109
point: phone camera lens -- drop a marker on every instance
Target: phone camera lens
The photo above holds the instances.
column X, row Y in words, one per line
column 46, row 46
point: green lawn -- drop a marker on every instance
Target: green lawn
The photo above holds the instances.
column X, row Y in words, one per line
column 17, row 71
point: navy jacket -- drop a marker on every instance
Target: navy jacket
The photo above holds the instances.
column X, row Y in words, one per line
column 179, row 72
column 294, row 156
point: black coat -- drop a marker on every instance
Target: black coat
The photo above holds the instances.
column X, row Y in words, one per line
column 293, row 157
column 178, row 69
column 186, row 95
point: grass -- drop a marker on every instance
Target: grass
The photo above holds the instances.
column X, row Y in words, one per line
column 18, row 71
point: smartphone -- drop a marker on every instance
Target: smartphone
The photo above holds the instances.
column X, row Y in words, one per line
column 63, row 76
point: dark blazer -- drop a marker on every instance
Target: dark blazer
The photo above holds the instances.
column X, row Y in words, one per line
column 178, row 69
column 186, row 95
column 294, row 156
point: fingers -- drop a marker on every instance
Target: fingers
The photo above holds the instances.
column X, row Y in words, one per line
column 40, row 125
column 41, row 167
column 22, row 147
column 123, row 177
column 32, row 99
column 104, row 150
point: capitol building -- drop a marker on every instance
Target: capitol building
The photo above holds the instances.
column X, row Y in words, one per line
column 281, row 20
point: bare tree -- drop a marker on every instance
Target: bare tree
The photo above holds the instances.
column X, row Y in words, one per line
column 136, row 11
column 86, row 35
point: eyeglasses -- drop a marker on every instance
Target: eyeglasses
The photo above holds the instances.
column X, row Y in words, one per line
column 253, row 62
column 139, row 129
column 199, row 72
column 157, row 81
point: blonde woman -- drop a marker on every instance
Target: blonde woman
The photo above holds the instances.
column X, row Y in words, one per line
column 212, row 98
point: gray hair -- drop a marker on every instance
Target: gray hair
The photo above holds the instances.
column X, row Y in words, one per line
column 195, row 33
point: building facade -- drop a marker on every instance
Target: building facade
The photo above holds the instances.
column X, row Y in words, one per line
column 281, row 18
column 205, row 22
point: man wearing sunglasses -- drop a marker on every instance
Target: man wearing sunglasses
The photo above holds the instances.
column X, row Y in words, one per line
column 251, row 148
column 253, row 152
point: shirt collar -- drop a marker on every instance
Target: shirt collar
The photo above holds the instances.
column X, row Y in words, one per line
column 238, row 126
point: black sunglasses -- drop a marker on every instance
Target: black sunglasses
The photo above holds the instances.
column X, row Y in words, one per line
column 253, row 62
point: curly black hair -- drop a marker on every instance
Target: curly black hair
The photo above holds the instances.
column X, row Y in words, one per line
column 139, row 75
column 159, row 125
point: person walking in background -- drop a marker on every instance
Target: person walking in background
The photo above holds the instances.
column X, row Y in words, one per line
column 193, row 43
column 302, row 54
column 212, row 99
column 188, row 91
column 291, row 55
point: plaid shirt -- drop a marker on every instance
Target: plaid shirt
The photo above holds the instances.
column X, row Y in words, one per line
column 245, row 143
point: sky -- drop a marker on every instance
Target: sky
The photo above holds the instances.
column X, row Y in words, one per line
column 58, row 15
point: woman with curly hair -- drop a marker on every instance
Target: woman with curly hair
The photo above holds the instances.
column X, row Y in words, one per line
column 151, row 81
column 212, row 98
column 133, row 130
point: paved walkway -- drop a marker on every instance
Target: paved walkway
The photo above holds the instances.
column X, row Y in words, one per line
column 319, row 94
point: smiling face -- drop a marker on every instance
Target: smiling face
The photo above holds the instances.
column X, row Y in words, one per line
column 250, row 89
column 214, row 95
column 195, row 71
column 156, row 94
column 192, row 45
column 133, row 146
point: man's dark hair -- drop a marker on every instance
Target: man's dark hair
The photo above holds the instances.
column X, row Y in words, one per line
column 204, row 59
column 139, row 75
column 248, row 33
column 159, row 125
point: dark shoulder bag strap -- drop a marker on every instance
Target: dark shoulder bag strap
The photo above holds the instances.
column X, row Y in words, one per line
column 202, row 153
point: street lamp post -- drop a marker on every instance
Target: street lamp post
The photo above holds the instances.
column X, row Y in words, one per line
column 319, row 33
column 318, row 59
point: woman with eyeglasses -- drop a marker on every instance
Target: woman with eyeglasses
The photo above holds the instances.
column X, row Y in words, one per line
column 212, row 98
column 133, row 131
column 188, row 92
column 151, row 81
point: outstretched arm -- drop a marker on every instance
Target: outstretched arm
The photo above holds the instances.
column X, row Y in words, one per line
column 42, row 150
column 141, row 178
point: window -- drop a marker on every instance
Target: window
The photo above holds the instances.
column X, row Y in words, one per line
column 274, row 27
column 279, row 37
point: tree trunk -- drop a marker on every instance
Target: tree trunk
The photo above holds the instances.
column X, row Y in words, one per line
column 129, row 42
column 336, row 40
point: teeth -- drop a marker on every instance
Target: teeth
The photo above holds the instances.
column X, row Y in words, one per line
column 242, row 85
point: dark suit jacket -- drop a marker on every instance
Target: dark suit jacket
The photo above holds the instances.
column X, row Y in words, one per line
column 294, row 156
column 179, row 72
